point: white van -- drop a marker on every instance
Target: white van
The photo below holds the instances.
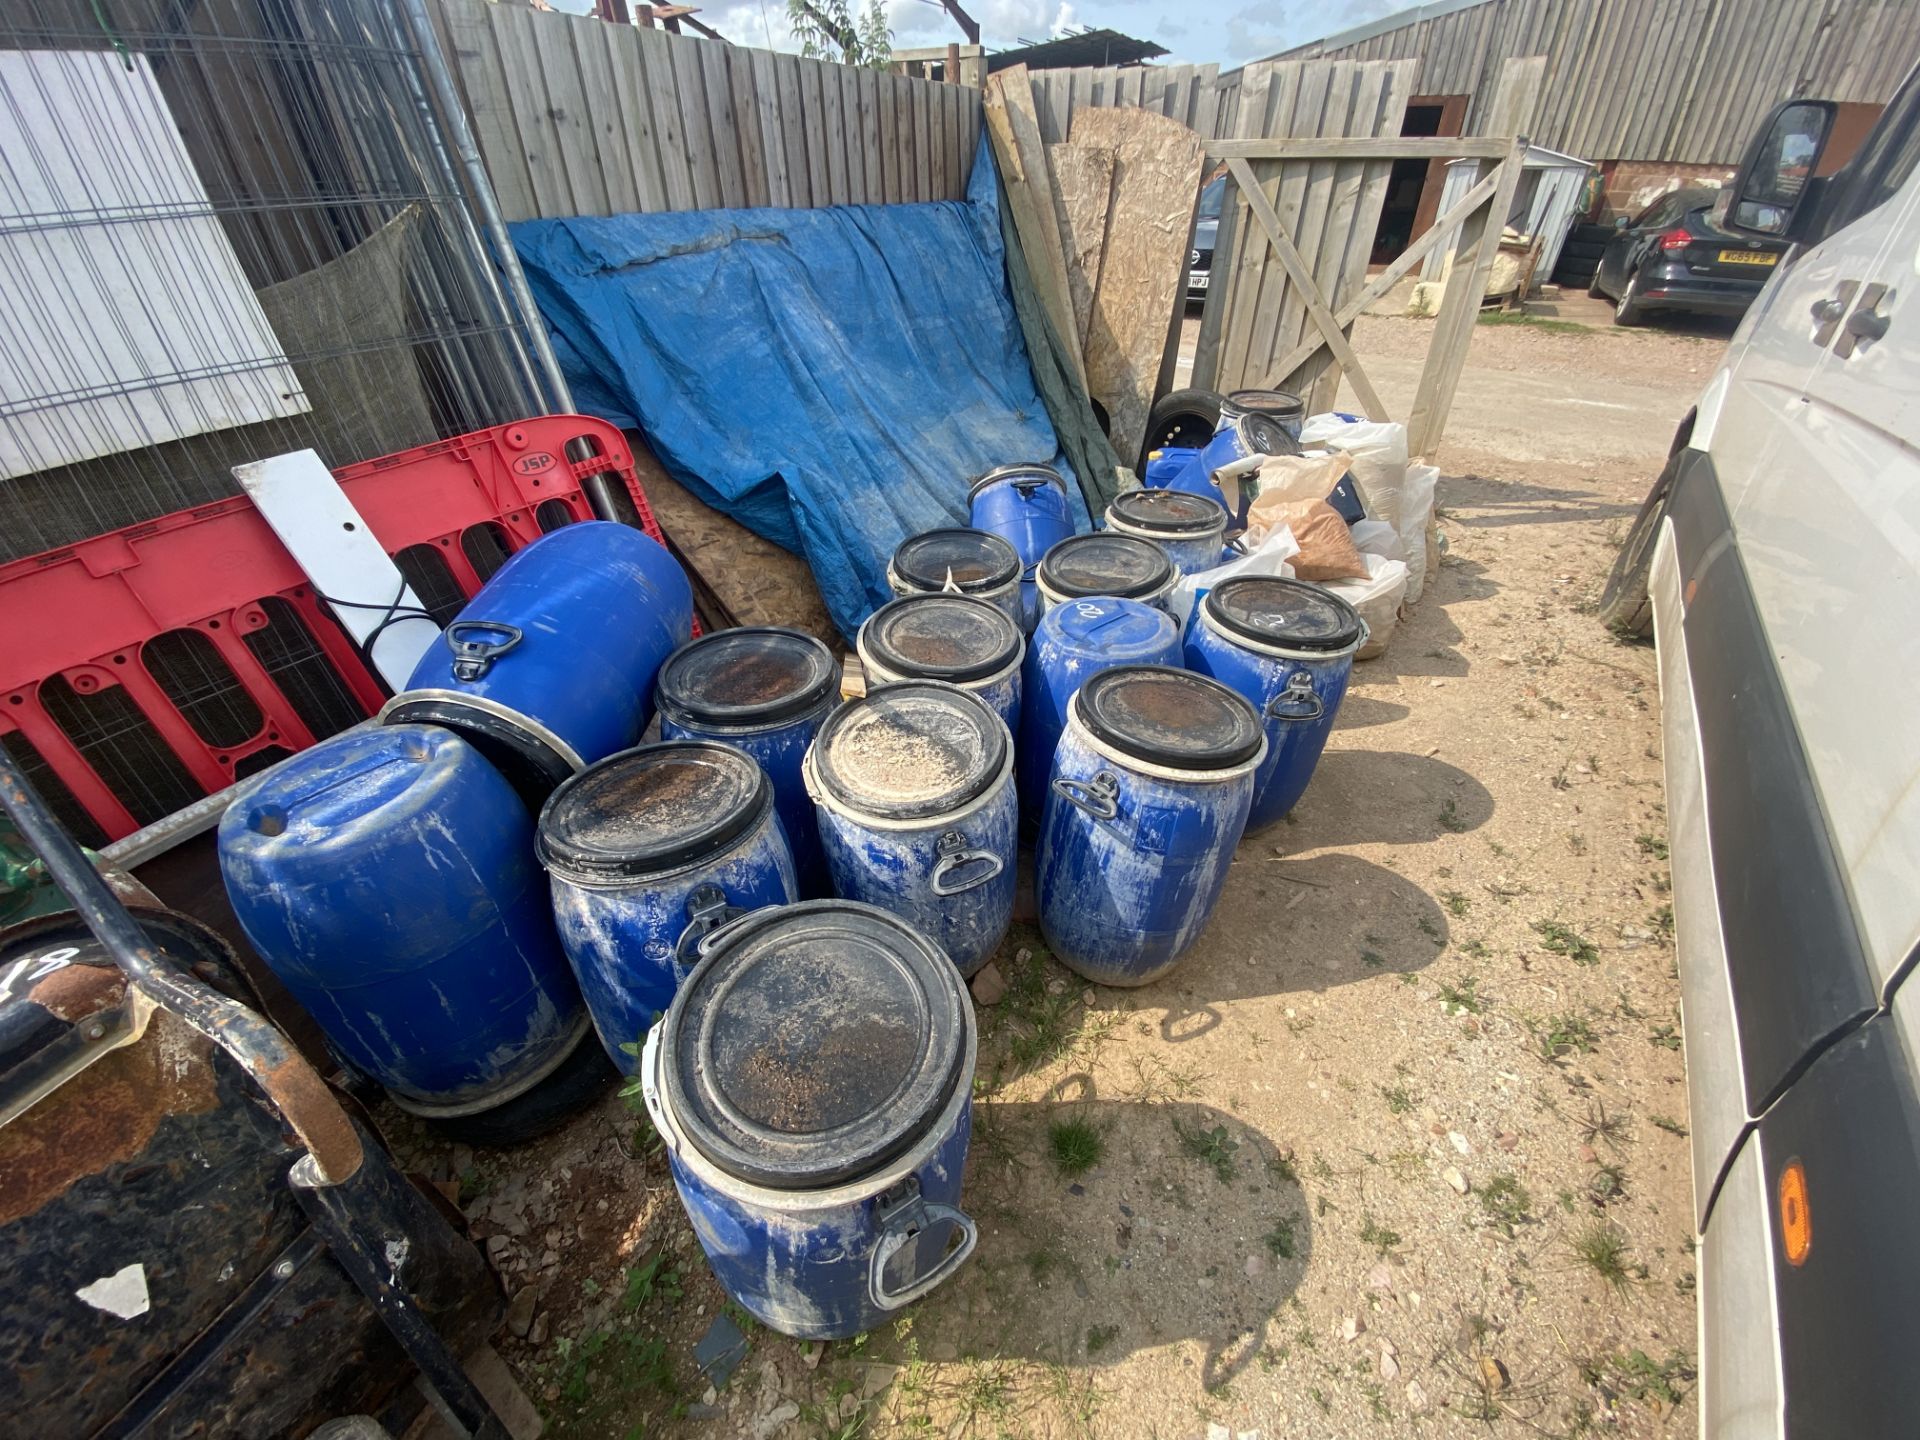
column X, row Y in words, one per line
column 1777, row 564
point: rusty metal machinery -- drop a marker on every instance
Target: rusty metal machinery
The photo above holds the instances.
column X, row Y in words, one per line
column 198, row 1238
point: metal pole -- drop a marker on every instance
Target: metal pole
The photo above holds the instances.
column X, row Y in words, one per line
column 434, row 61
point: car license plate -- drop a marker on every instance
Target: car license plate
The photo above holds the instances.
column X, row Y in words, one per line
column 1746, row 257
column 1196, row 279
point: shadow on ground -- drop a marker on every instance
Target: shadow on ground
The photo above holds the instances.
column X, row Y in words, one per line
column 1189, row 1227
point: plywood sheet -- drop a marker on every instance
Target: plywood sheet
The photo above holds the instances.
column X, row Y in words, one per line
column 760, row 583
column 1082, row 192
column 1158, row 166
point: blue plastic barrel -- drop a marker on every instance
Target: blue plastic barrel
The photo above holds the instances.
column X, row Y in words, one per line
column 914, row 789
column 1074, row 641
column 955, row 638
column 813, row 1083
column 765, row 690
column 1288, row 647
column 387, row 877
column 1123, row 567
column 1026, row 505
column 650, row 851
column 551, row 665
column 1283, row 407
column 959, row 562
column 1239, row 439
column 1164, row 465
column 1151, row 785
column 1192, row 529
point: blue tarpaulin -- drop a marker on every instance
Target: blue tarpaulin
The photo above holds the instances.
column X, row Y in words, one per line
column 829, row 378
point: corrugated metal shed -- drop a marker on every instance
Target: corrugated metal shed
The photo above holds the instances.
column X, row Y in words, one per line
column 1682, row 81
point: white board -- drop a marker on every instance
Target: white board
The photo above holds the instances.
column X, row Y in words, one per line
column 127, row 318
column 311, row 514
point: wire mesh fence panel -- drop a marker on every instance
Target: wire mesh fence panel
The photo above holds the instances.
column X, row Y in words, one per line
column 227, row 230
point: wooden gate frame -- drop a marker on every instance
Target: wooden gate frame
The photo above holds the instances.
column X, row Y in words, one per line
column 1476, row 243
column 1473, row 255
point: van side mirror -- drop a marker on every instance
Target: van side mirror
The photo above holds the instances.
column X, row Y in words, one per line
column 1773, row 182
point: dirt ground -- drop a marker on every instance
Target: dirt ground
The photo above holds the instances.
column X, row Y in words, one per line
column 1398, row 1150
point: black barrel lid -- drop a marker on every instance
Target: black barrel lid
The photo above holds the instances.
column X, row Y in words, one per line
column 753, row 675
column 1168, row 716
column 971, row 560
column 651, row 809
column 1023, row 476
column 941, row 637
column 1261, row 434
column 814, row 1044
column 1173, row 513
column 1123, row 566
column 910, row 750
column 1274, row 404
column 1291, row 614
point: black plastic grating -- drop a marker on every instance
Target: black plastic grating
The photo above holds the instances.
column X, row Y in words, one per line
column 71, row 814
column 426, row 570
column 123, row 748
column 187, row 667
column 259, row 760
column 486, row 548
column 293, row 660
column 554, row 515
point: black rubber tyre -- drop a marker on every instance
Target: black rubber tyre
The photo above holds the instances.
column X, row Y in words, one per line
column 1584, row 249
column 1591, row 234
column 1627, row 310
column 1181, row 417
column 1625, row 607
column 581, row 1080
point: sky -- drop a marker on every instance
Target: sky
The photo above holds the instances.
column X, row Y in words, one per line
column 1230, row 32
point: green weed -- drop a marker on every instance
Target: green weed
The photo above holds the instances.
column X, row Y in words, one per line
column 1563, row 1034
column 1076, row 1146
column 1506, row 1201
column 1377, row 1235
column 1280, row 1238
column 1563, row 940
column 1463, row 996
column 1603, row 1248
column 1213, row 1147
column 1654, row 845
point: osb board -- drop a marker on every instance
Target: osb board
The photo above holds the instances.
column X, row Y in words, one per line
column 1082, row 192
column 757, row 580
column 1158, row 166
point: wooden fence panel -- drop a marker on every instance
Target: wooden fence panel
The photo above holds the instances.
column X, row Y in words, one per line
column 577, row 116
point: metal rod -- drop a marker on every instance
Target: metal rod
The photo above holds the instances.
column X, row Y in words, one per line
column 434, row 61
column 366, row 1240
column 297, row 1091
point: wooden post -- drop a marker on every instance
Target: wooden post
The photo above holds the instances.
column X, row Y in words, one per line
column 1473, row 256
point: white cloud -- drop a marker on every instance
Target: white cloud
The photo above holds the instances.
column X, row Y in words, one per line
column 1065, row 20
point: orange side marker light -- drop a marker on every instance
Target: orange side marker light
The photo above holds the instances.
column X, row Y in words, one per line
column 1796, row 1220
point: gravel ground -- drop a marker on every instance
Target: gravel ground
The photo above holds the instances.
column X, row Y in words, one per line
column 1398, row 1150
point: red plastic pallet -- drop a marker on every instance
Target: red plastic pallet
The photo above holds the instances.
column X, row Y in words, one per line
column 134, row 666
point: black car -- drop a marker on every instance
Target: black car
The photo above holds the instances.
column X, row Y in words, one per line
column 1671, row 257
column 1206, row 226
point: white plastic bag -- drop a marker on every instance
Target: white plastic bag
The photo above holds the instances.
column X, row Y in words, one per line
column 1379, row 451
column 1377, row 537
column 1269, row 557
column 1416, row 517
column 1377, row 598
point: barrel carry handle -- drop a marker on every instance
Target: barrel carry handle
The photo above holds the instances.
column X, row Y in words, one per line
column 954, row 854
column 902, row 1213
column 708, row 911
column 472, row 658
column 1297, row 701
column 1099, row 797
